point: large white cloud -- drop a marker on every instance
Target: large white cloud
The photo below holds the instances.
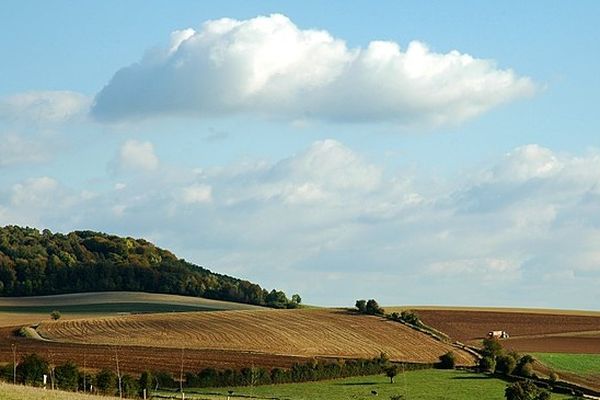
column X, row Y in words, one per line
column 269, row 66
column 334, row 226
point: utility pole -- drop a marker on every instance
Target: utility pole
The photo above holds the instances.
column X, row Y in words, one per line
column 84, row 380
column 181, row 376
column 118, row 373
column 14, row 351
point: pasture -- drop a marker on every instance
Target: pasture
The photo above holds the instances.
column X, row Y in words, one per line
column 414, row 385
column 12, row 392
column 583, row 364
column 303, row 333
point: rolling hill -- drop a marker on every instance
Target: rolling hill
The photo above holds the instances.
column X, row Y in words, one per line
column 298, row 333
column 34, row 263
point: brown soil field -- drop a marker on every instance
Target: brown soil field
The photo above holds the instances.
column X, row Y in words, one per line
column 529, row 331
column 136, row 359
column 301, row 333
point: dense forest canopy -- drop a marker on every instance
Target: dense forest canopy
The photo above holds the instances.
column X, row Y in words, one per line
column 43, row 263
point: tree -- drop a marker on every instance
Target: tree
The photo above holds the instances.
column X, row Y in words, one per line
column 106, row 381
column 487, row 364
column 411, row 317
column 361, row 306
column 32, row 369
column 524, row 366
column 391, row 371
column 505, row 364
column 67, row 376
column 146, row 382
column 55, row 315
column 373, row 308
column 525, row 390
column 448, row 360
column 491, row 347
column 296, row 298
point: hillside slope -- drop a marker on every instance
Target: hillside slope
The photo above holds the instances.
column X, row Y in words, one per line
column 44, row 263
column 304, row 333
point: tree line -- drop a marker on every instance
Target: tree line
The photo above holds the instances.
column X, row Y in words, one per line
column 45, row 263
column 67, row 376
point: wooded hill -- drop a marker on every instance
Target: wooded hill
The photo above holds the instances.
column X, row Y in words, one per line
column 44, row 263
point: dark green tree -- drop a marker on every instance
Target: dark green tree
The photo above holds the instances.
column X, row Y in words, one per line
column 487, row 364
column 525, row 390
column 67, row 376
column 448, row 360
column 505, row 364
column 106, row 382
column 373, row 308
column 391, row 371
column 31, row 370
column 361, row 306
column 146, row 381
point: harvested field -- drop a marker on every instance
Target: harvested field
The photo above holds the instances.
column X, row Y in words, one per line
column 303, row 333
column 136, row 359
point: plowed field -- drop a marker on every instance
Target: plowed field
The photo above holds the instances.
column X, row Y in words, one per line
column 300, row 333
column 529, row 331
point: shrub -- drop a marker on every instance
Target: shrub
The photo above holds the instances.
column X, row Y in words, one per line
column 525, row 390
column 55, row 315
column 411, row 317
column 505, row 364
column 487, row 364
column 448, row 360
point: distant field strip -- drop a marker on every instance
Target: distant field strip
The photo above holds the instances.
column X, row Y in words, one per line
column 16, row 311
column 74, row 299
column 311, row 333
column 585, row 364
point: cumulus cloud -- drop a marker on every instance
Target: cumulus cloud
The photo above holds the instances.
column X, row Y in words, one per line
column 268, row 66
column 21, row 149
column 137, row 156
column 523, row 231
column 43, row 106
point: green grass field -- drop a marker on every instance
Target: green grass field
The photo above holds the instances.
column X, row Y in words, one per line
column 414, row 385
column 581, row 364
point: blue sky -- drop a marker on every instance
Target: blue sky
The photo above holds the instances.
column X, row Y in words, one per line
column 311, row 147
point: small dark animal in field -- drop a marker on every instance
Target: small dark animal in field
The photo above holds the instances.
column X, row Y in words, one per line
column 374, row 392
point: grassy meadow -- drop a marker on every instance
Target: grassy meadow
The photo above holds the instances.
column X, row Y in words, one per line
column 415, row 385
column 12, row 392
column 581, row 364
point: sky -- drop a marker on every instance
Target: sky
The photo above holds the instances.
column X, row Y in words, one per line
column 414, row 152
